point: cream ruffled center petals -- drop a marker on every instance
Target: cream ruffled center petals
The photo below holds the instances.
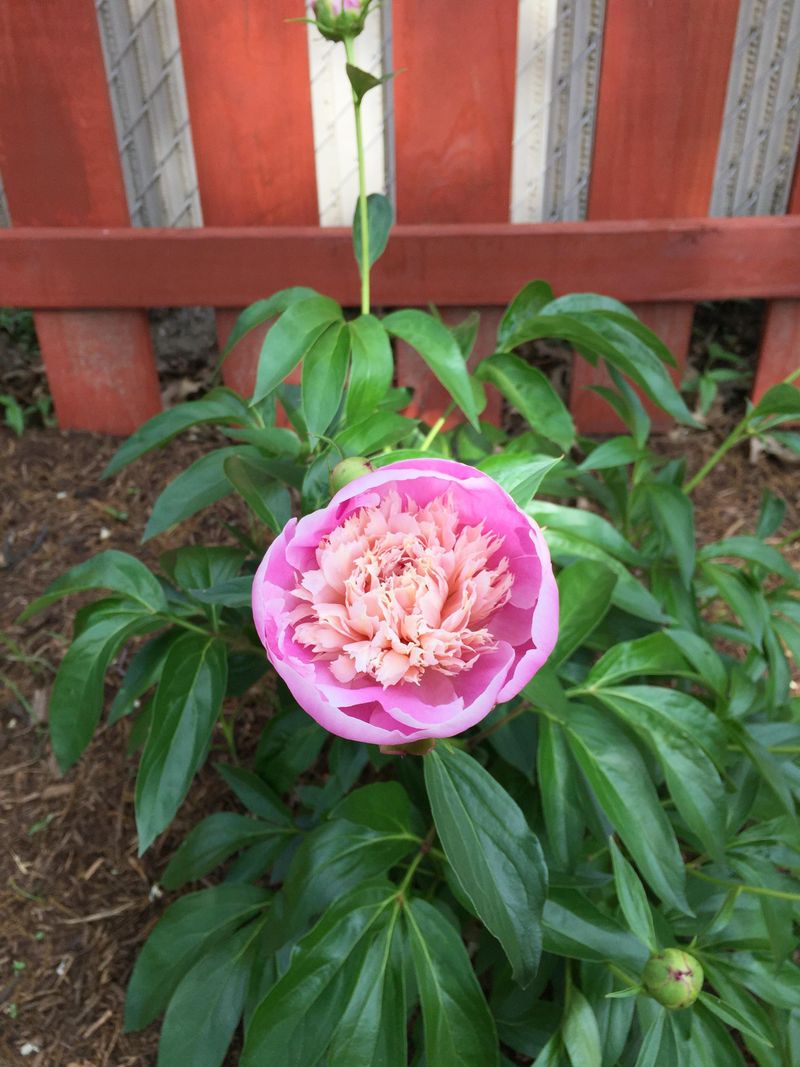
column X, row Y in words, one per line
column 401, row 589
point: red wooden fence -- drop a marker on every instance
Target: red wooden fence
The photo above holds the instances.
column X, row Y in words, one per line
column 73, row 258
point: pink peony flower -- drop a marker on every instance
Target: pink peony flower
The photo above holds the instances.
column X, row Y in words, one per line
column 419, row 598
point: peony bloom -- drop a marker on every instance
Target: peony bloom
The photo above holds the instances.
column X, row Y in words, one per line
column 419, row 598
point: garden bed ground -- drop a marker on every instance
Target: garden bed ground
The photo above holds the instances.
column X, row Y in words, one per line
column 75, row 899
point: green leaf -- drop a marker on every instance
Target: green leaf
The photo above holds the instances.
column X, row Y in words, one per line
column 380, row 217
column 655, row 654
column 294, row 1024
column 189, row 927
column 581, row 302
column 617, row 452
column 207, row 1005
column 459, row 1028
column 76, row 701
column 466, row 333
column 382, row 806
column 324, row 373
column 754, row 551
column 335, row 858
column 220, row 406
column 575, row 928
column 274, row 440
column 143, row 672
column 290, row 339
column 378, row 431
column 580, row 1032
column 113, row 570
column 560, row 796
column 186, row 707
column 252, row 480
column 236, row 593
column 254, row 794
column 658, row 1044
column 732, row 1017
column 674, row 515
column 584, row 590
column 212, row 841
column 264, row 310
column 532, row 394
column 632, row 899
column 362, row 81
column 201, row 484
column 692, row 779
column 526, row 305
column 588, row 526
column 494, row 854
column 518, row 474
column 782, row 399
column 771, row 514
column 198, row 567
column 748, row 607
column 371, row 368
column 617, row 773
column 703, row 657
column 373, row 1028
column 439, row 350
column 289, row 744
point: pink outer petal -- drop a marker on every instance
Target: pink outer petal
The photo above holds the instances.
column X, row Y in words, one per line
column 475, row 692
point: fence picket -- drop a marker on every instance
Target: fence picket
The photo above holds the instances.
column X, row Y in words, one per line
column 246, row 71
column 60, row 166
column 663, row 82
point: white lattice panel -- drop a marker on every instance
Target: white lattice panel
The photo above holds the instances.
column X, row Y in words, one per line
column 759, row 137
column 334, row 129
column 141, row 48
column 558, row 64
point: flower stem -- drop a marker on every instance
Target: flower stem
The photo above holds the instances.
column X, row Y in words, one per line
column 733, row 439
column 758, row 890
column 362, row 188
column 424, row 849
column 437, row 426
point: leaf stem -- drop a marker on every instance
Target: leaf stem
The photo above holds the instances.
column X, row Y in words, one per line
column 757, row 890
column 497, row 725
column 733, row 439
column 424, row 849
column 362, row 188
column 436, row 428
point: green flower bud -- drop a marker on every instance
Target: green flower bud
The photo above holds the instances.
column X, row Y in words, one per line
column 347, row 471
column 673, row 978
column 337, row 19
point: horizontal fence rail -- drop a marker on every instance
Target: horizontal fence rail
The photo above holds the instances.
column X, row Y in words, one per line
column 466, row 263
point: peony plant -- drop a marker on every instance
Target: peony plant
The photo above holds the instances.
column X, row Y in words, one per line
column 473, row 832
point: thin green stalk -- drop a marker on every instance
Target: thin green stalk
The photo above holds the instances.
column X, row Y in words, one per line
column 497, row 725
column 757, row 890
column 362, row 188
column 436, row 428
column 733, row 439
column 424, row 849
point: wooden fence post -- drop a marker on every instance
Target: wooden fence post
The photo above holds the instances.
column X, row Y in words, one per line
column 246, row 73
column 662, row 93
column 779, row 352
column 60, row 165
column 454, row 121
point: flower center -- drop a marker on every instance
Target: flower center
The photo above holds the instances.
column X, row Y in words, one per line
column 401, row 589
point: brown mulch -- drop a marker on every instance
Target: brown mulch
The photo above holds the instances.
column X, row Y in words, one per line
column 75, row 899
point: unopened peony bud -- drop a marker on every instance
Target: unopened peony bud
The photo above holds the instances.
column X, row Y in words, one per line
column 337, row 19
column 347, row 471
column 673, row 978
